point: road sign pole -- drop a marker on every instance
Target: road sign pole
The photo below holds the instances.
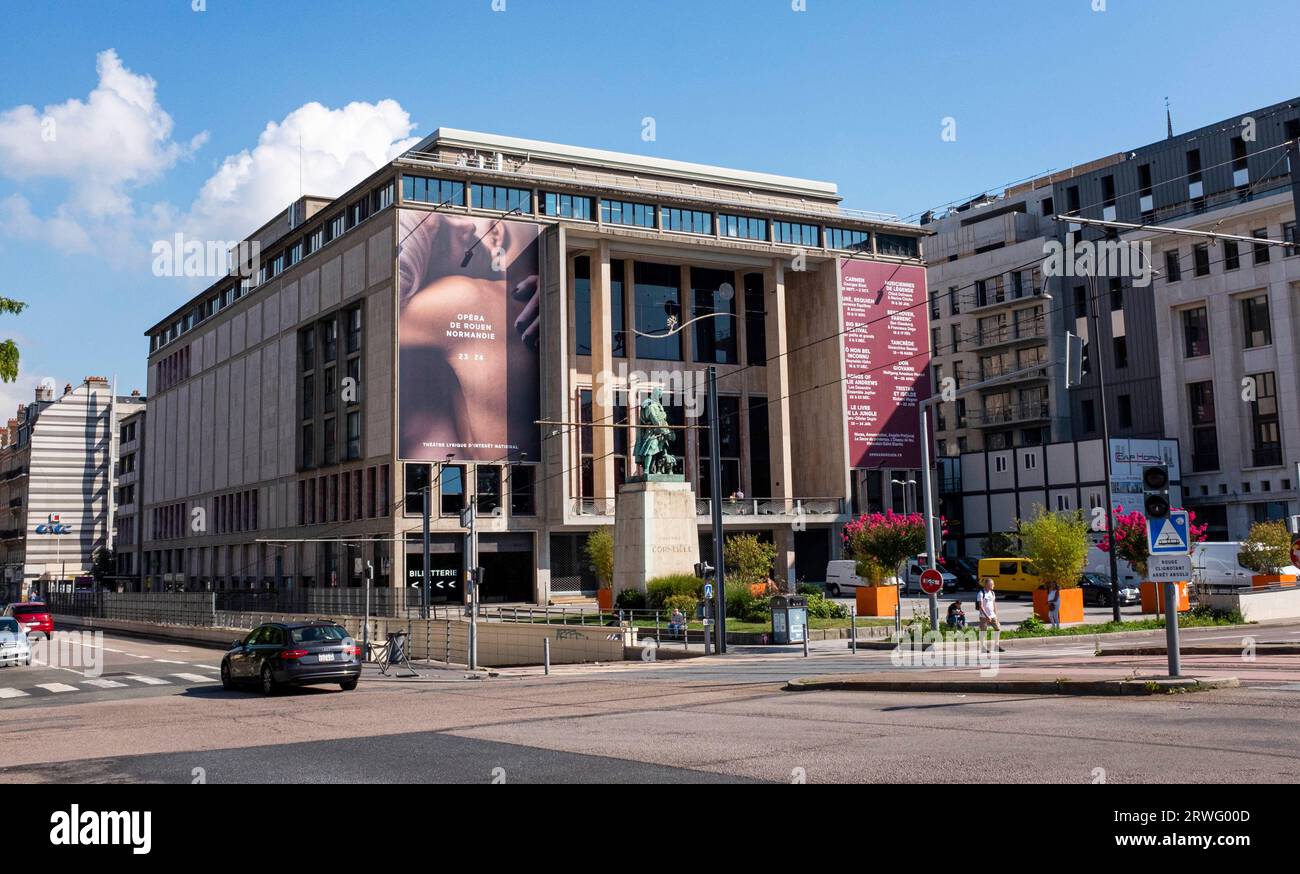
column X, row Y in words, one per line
column 1171, row 629
column 424, row 584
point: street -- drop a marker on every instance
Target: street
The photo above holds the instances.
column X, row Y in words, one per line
column 165, row 718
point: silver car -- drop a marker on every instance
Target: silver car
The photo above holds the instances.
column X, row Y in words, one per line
column 14, row 648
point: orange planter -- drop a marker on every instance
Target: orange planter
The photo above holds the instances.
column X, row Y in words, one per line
column 762, row 590
column 877, row 600
column 605, row 599
column 1153, row 597
column 1071, row 605
column 1259, row 581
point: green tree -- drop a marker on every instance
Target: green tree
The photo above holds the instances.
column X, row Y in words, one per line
column 1267, row 548
column 1057, row 544
column 600, row 552
column 749, row 560
column 9, row 349
column 104, row 564
column 999, row 544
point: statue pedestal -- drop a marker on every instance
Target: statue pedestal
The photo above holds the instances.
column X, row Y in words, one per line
column 655, row 532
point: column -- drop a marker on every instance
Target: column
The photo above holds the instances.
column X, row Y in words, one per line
column 602, row 364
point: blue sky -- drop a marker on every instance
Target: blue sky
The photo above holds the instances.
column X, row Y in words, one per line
column 853, row 91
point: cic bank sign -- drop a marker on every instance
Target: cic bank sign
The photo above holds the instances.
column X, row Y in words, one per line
column 53, row 525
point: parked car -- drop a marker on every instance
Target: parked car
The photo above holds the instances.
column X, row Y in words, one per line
column 14, row 648
column 280, row 654
column 1218, row 564
column 33, row 616
column 966, row 570
column 1096, row 590
column 842, row 578
column 1099, row 563
column 918, row 565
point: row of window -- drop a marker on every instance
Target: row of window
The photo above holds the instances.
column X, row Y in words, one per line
column 1261, row 253
column 1256, row 326
column 347, row 496
column 616, row 211
column 273, row 265
column 174, row 368
column 494, row 486
column 330, row 389
column 171, row 521
column 234, row 513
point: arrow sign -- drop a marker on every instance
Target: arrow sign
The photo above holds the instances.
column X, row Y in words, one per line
column 1168, row 536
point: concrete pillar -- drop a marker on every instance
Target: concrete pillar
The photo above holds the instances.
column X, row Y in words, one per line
column 602, row 363
column 778, row 411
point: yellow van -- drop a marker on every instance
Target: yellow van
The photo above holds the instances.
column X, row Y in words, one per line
column 1011, row 576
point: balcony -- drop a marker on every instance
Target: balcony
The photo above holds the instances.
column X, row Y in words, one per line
column 770, row 509
column 1004, row 335
column 1013, row 413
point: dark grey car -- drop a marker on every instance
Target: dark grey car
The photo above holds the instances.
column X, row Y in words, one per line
column 281, row 654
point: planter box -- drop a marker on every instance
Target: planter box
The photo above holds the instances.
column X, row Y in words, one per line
column 877, row 600
column 605, row 599
column 1071, row 605
column 1153, row 597
column 1260, row 581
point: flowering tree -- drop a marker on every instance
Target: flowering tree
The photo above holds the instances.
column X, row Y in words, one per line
column 885, row 540
column 1131, row 537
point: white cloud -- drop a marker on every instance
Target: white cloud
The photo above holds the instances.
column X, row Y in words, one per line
column 119, row 137
column 339, row 147
column 20, row 391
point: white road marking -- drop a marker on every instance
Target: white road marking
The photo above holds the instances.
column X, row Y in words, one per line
column 12, row 693
column 149, row 681
column 170, row 662
column 196, row 678
column 207, row 667
column 56, row 687
column 104, row 684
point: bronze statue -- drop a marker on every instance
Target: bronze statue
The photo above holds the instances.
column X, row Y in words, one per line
column 654, row 437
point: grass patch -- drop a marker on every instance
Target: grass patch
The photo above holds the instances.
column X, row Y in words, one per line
column 1202, row 619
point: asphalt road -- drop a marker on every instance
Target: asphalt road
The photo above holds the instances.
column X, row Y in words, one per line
column 691, row 721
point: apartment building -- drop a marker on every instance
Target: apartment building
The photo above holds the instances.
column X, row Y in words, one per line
column 128, row 546
column 477, row 323
column 56, row 485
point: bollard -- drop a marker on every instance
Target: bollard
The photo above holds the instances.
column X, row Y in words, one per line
column 805, row 642
column 546, row 656
column 853, row 629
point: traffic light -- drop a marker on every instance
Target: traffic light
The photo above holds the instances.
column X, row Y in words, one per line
column 1074, row 363
column 1155, row 482
column 703, row 570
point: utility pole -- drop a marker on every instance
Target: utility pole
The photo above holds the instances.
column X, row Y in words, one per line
column 715, row 505
column 1095, row 340
column 931, row 532
column 424, row 584
column 472, row 578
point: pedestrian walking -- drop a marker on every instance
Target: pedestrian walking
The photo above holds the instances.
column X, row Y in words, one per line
column 987, row 604
column 1054, row 605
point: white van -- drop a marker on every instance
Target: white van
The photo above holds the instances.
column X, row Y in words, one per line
column 1218, row 564
column 842, row 578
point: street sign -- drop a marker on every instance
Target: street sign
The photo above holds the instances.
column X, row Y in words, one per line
column 708, row 591
column 1295, row 552
column 1168, row 535
column 1169, row 568
column 931, row 582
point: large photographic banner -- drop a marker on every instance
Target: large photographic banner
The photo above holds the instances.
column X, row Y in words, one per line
column 886, row 361
column 470, row 310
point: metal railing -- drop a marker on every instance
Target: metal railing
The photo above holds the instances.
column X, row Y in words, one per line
column 172, row 608
column 1015, row 413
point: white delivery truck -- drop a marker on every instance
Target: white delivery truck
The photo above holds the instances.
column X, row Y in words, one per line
column 842, row 578
column 1218, row 564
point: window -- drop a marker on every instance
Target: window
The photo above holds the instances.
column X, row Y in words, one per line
column 294, row 254
column 353, row 436
column 571, row 206
column 955, row 333
column 618, row 324
column 498, row 197
column 1231, row 255
column 1080, row 302
column 1030, row 460
column 522, row 501
column 689, row 221
column 622, row 212
column 308, row 446
column 715, row 338
column 353, row 317
column 954, row 301
column 744, row 227
column 330, row 340
column 1288, row 236
column 1125, row 404
column 999, row 464
column 1196, row 332
column 452, row 482
column 426, row 190
column 755, row 321
column 487, row 488
column 1266, row 441
column 1089, row 416
column 1201, row 258
column 383, row 197
column 1116, row 294
column 795, row 232
column 729, row 425
column 935, row 341
column 658, row 304
column 1173, row 269
column 308, row 397
column 1256, row 328
column 897, row 246
column 582, row 305
column 1120, row 347
column 844, row 238
column 1261, row 249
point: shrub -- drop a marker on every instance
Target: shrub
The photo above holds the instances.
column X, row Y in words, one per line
column 822, row 608
column 630, row 599
column 1267, row 548
column 743, row 605
column 1033, row 623
column 809, row 589
column 748, row 559
column 660, row 589
column 1057, row 544
column 600, row 552
column 685, row 603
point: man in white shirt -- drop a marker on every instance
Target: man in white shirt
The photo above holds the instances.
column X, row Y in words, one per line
column 988, row 610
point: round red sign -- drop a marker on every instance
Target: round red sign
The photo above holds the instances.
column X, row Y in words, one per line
column 932, row 582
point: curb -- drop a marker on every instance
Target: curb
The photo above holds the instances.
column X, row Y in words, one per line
column 1206, row 649
column 1062, row 686
column 1093, row 636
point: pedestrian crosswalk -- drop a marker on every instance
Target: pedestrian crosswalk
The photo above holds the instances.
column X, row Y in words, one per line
column 96, row 684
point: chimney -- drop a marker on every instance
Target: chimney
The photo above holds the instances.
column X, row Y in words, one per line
column 135, row 392
column 67, row 388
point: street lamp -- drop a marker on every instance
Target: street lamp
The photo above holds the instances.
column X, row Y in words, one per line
column 904, row 484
